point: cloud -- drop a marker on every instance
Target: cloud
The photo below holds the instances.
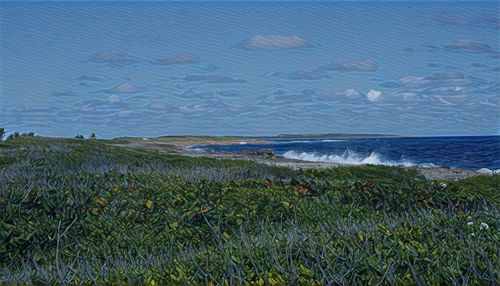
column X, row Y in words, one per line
column 373, row 95
column 448, row 78
column 281, row 97
column 390, row 84
column 213, row 79
column 480, row 21
column 449, row 89
column 469, row 46
column 63, row 94
column 479, row 65
column 274, row 42
column 113, row 103
column 306, row 75
column 193, row 94
column 85, row 77
column 487, row 21
column 28, row 112
column 348, row 94
column 366, row 65
column 178, row 59
column 193, row 108
column 229, row 93
column 351, row 93
column 114, row 99
column 111, row 57
column 158, row 106
column 448, row 19
column 125, row 88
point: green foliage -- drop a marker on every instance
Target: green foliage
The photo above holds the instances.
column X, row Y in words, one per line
column 17, row 135
column 2, row 133
column 82, row 212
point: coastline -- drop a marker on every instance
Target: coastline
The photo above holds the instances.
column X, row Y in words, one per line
column 184, row 145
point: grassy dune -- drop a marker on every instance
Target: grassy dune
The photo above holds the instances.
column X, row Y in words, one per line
column 84, row 212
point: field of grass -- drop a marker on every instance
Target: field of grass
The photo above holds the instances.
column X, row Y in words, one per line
column 84, row 212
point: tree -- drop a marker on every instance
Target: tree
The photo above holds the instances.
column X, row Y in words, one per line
column 2, row 133
column 79, row 136
column 28, row 134
column 93, row 136
column 13, row 136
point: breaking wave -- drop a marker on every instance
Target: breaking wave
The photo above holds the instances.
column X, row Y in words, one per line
column 488, row 171
column 347, row 158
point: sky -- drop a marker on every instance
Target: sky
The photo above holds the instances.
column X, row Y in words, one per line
column 241, row 68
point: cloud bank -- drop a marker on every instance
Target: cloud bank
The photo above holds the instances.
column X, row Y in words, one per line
column 179, row 59
column 274, row 42
column 365, row 65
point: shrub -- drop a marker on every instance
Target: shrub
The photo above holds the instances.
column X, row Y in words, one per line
column 2, row 133
column 13, row 136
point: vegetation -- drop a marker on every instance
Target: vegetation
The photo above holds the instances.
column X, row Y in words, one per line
column 2, row 133
column 83, row 212
column 17, row 134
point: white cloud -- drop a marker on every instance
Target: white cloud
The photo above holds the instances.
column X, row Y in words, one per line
column 373, row 95
column 158, row 105
column 467, row 45
column 125, row 88
column 193, row 94
column 352, row 93
column 274, row 42
column 366, row 65
column 114, row 99
column 177, row 59
column 306, row 75
column 218, row 78
column 192, row 108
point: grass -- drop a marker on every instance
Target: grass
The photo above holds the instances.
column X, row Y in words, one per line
column 84, row 212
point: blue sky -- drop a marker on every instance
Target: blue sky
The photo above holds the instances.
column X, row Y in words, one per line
column 151, row 69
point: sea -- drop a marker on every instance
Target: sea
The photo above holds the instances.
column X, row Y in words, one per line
column 480, row 153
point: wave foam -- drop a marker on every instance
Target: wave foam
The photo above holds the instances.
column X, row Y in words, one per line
column 347, row 158
column 488, row 171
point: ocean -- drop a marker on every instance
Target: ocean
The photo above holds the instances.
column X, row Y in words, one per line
column 471, row 152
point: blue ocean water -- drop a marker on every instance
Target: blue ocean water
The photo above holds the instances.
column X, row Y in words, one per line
column 455, row 152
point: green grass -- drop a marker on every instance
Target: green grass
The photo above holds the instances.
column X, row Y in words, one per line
column 83, row 212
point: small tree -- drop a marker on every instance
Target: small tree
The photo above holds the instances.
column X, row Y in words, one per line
column 79, row 136
column 28, row 134
column 92, row 136
column 13, row 136
column 2, row 133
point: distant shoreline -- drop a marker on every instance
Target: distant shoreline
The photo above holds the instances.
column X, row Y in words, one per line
column 182, row 145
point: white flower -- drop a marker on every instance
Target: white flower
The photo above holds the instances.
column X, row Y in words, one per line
column 484, row 225
column 470, row 223
column 472, row 234
column 443, row 185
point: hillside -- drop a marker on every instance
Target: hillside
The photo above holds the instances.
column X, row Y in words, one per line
column 85, row 212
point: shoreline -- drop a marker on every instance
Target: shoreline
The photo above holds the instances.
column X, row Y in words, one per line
column 181, row 146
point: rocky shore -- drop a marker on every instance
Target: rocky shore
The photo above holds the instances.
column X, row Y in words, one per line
column 268, row 157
